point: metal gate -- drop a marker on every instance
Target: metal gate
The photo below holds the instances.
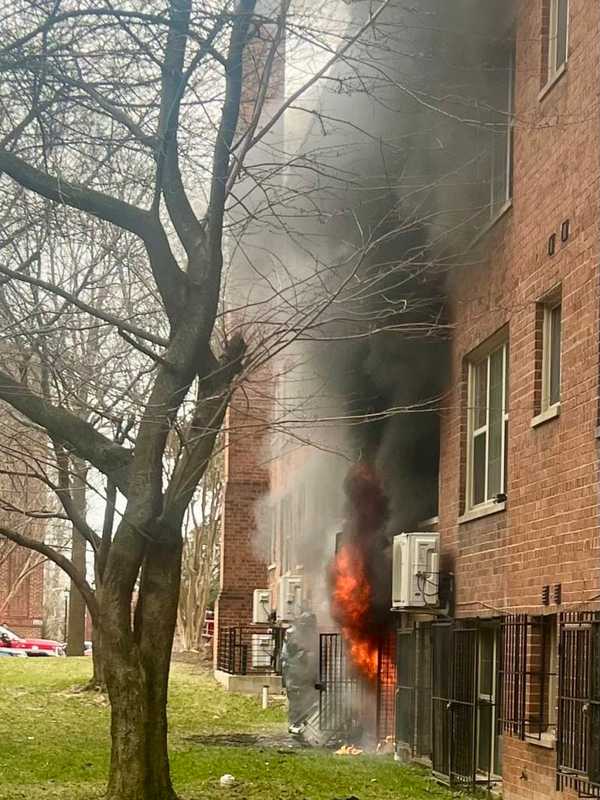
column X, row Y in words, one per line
column 464, row 690
column 341, row 691
column 386, row 688
column 405, row 689
column 441, row 651
column 463, row 706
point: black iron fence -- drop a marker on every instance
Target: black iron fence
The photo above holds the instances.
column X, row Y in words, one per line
column 250, row 649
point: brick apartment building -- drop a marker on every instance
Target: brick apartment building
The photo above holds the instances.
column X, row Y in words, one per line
column 504, row 689
column 21, row 591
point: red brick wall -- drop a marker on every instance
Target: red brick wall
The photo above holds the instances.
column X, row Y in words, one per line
column 23, row 612
column 243, row 555
column 549, row 531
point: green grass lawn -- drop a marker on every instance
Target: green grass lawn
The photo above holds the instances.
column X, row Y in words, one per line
column 54, row 744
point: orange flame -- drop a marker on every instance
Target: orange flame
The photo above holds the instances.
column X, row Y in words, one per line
column 351, row 599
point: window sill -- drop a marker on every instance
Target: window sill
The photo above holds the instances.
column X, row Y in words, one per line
column 552, row 81
column 546, row 740
column 504, row 209
column 481, row 511
column 550, row 413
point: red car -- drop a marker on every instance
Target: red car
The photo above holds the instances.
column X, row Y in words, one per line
column 32, row 647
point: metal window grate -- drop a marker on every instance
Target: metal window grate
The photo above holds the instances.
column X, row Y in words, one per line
column 513, row 671
column 578, row 699
column 250, row 649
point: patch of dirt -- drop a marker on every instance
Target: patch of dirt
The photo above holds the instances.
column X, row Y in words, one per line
column 278, row 741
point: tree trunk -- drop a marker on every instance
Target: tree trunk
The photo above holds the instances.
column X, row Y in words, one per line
column 77, row 607
column 137, row 675
column 98, row 680
column 76, row 623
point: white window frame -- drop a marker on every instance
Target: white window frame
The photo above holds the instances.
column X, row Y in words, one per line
column 491, row 699
column 497, row 209
column 553, row 67
column 473, row 432
column 547, row 344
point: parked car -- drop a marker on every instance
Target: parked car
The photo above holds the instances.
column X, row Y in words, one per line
column 9, row 640
column 11, row 651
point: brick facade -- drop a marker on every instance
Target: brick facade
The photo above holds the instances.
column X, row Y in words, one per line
column 243, row 556
column 545, row 532
column 23, row 612
column 548, row 532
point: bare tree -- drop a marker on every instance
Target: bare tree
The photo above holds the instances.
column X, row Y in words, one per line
column 199, row 571
column 149, row 129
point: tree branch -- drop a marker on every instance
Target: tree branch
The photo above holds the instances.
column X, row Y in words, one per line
column 211, row 404
column 222, row 152
column 170, row 280
column 100, row 205
column 61, row 561
column 111, row 319
column 110, row 458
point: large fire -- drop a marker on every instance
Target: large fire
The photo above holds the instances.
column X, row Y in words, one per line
column 352, row 595
column 351, row 601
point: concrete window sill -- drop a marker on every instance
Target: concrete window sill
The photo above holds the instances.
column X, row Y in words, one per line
column 552, row 81
column 481, row 511
column 502, row 211
column 546, row 740
column 550, row 413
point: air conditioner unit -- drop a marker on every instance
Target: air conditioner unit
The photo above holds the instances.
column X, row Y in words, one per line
column 261, row 605
column 415, row 570
column 262, row 650
column 289, row 604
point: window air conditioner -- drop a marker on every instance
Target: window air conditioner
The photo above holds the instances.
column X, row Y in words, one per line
column 261, row 605
column 289, row 604
column 415, row 570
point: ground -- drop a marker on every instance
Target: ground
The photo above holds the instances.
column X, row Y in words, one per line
column 54, row 744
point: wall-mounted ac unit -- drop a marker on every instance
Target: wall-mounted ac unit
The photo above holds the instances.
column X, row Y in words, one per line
column 415, row 571
column 289, row 605
column 261, row 605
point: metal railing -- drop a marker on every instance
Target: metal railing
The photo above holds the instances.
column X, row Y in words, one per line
column 250, row 649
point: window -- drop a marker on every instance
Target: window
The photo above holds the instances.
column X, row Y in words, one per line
column 529, row 677
column 487, row 427
column 558, row 36
column 501, row 139
column 551, row 355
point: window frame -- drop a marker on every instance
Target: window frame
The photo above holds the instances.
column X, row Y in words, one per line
column 473, row 363
column 497, row 209
column 553, row 67
column 547, row 404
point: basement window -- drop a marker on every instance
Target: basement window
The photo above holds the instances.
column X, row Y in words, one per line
column 529, row 670
column 487, row 427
